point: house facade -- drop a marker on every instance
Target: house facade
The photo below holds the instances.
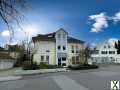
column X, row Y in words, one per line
column 57, row 48
column 105, row 53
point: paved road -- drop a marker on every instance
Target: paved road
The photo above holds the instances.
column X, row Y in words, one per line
column 75, row 80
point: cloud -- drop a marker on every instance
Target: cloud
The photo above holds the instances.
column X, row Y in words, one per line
column 116, row 18
column 5, row 33
column 19, row 35
column 28, row 32
column 93, row 44
column 100, row 22
column 112, row 41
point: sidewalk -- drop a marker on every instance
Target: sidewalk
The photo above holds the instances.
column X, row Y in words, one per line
column 17, row 73
column 9, row 75
column 8, row 72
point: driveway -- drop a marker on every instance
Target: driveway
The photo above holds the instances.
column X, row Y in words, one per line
column 97, row 79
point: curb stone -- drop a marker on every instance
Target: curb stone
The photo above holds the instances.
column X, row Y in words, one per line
column 10, row 78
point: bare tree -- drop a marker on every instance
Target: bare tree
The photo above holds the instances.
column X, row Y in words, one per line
column 85, row 54
column 11, row 13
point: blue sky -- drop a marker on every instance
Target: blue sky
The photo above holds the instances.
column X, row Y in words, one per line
column 74, row 16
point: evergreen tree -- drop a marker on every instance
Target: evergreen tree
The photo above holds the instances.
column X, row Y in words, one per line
column 117, row 46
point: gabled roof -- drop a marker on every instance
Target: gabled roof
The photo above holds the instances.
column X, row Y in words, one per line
column 51, row 37
column 74, row 40
column 61, row 29
column 44, row 37
column 105, row 43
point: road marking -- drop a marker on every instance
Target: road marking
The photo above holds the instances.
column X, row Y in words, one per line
column 66, row 83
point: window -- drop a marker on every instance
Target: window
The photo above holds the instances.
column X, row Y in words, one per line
column 77, row 60
column 72, row 51
column 111, row 52
column 95, row 52
column 63, row 64
column 104, row 46
column 73, row 60
column 103, row 52
column 72, row 47
column 47, row 50
column 108, row 46
column 77, row 51
column 64, row 48
column 63, row 58
column 47, row 59
column 42, row 58
column 59, row 47
column 59, row 61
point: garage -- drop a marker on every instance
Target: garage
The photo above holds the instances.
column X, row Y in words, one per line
column 6, row 62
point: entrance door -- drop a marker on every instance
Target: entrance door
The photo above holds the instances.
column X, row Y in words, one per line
column 59, row 61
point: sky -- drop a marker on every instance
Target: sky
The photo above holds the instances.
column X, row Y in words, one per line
column 92, row 21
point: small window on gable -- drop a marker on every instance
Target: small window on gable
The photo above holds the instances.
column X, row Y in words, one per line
column 59, row 47
column 64, row 48
column 104, row 46
column 108, row 46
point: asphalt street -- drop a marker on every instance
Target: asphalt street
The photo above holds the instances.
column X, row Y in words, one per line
column 97, row 79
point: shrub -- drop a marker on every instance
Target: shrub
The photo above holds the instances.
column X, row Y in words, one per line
column 33, row 66
column 83, row 67
column 47, row 66
column 29, row 66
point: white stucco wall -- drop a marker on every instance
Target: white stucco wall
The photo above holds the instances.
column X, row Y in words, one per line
column 40, row 50
column 61, row 40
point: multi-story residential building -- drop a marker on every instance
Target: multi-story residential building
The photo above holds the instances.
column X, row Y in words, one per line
column 105, row 53
column 57, row 48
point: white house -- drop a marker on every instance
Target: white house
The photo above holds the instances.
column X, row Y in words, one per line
column 105, row 53
column 56, row 48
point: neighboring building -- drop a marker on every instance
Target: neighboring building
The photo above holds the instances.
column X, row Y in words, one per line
column 6, row 61
column 105, row 53
column 57, row 48
column 15, row 51
column 10, row 55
